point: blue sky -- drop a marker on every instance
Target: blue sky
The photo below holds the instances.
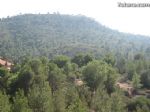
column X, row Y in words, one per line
column 130, row 20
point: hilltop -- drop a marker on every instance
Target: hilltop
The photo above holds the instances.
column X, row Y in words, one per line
column 53, row 34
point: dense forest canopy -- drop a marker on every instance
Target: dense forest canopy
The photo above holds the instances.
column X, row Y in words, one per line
column 53, row 34
column 78, row 84
column 66, row 63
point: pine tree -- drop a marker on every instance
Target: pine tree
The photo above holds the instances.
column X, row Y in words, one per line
column 144, row 108
column 40, row 97
column 56, row 77
column 101, row 101
column 4, row 103
column 20, row 103
column 77, row 106
column 117, row 102
column 59, row 100
column 136, row 81
column 99, row 73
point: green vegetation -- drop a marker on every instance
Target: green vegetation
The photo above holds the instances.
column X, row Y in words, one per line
column 4, row 102
column 136, row 81
column 54, row 34
column 85, row 79
column 43, row 85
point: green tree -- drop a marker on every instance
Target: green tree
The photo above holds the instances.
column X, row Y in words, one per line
column 40, row 97
column 36, row 66
column 98, row 73
column 145, row 78
column 117, row 102
column 24, row 79
column 3, row 72
column 73, row 101
column 136, row 81
column 141, row 104
column 81, row 59
column 110, row 59
column 70, row 67
column 110, row 82
column 101, row 101
column 77, row 106
column 94, row 74
column 85, row 94
column 4, row 76
column 4, row 103
column 56, row 77
column 61, row 60
column 88, row 58
column 78, row 59
column 121, row 65
column 20, row 103
column 138, row 57
column 144, row 108
column 130, row 69
column 59, row 100
column 70, row 94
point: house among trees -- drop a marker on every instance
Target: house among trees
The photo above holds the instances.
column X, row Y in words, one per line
column 5, row 63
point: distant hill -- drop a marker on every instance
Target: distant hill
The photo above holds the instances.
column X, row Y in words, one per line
column 54, row 34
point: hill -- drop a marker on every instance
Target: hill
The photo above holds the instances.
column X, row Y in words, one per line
column 54, row 34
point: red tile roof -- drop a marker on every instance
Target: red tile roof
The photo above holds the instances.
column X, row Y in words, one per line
column 2, row 62
column 6, row 64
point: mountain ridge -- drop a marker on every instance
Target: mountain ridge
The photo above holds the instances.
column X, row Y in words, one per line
column 54, row 34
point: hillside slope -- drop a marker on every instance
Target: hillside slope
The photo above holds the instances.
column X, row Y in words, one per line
column 53, row 34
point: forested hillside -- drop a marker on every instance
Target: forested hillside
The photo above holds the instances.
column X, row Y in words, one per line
column 78, row 84
column 53, row 34
column 66, row 63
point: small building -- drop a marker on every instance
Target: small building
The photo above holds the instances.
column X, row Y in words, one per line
column 6, row 64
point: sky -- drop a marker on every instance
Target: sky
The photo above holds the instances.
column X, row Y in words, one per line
column 106, row 12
